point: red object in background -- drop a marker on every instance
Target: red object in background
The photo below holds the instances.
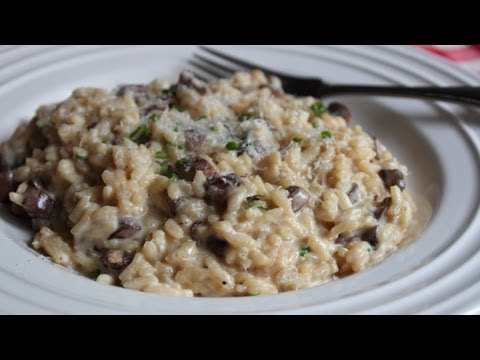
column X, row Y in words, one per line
column 467, row 56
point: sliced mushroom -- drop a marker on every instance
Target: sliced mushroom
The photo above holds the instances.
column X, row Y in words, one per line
column 354, row 194
column 193, row 139
column 188, row 79
column 220, row 188
column 92, row 125
column 129, row 89
column 126, row 229
column 393, row 178
column 299, row 196
column 202, row 235
column 338, row 109
column 369, row 235
column 188, row 167
column 36, row 201
column 116, row 260
column 175, row 205
column 382, row 207
column 6, row 185
column 158, row 106
column 217, row 246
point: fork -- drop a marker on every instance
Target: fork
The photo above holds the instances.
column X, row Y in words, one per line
column 303, row 86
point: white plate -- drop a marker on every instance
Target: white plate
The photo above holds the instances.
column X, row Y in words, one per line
column 437, row 273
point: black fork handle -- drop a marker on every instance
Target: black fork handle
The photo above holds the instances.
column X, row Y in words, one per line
column 463, row 94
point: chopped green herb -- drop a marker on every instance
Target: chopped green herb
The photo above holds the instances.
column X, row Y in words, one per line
column 141, row 134
column 181, row 147
column 304, row 250
column 94, row 274
column 315, row 125
column 263, row 208
column 106, row 142
column 81, row 157
column 204, row 117
column 326, row 135
column 252, row 199
column 166, row 169
column 226, row 127
column 369, row 250
column 297, row 139
column 318, row 109
column 178, row 108
column 213, row 128
column 155, row 118
column 172, row 178
column 232, row 146
column 182, row 162
column 161, row 155
column 42, row 126
column 168, row 144
column 249, row 116
column 175, row 129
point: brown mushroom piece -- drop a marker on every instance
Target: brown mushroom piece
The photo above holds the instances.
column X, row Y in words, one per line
column 175, row 205
column 393, row 178
column 193, row 139
column 188, row 167
column 369, row 235
column 202, row 235
column 116, row 260
column 382, row 207
column 187, row 78
column 354, row 194
column 36, row 201
column 126, row 229
column 6, row 185
column 338, row 109
column 126, row 89
column 299, row 197
column 220, row 188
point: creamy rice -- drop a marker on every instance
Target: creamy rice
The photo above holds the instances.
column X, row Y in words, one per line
column 231, row 188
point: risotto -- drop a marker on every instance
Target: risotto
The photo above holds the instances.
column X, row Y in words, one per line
column 231, row 188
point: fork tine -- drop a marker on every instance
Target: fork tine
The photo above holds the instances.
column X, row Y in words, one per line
column 227, row 69
column 251, row 66
column 208, row 70
column 230, row 58
column 201, row 77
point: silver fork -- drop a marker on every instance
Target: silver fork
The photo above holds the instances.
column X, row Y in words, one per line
column 316, row 87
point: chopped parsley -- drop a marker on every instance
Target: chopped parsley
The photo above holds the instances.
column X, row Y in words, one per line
column 254, row 198
column 204, row 117
column 42, row 126
column 297, row 139
column 249, row 116
column 106, row 142
column 304, row 250
column 326, row 135
column 81, row 157
column 178, row 108
column 166, row 169
column 263, row 208
column 94, row 274
column 213, row 128
column 161, row 155
column 318, row 109
column 175, row 129
column 182, row 162
column 181, row 147
column 172, row 178
column 168, row 144
column 232, row 146
column 155, row 118
column 369, row 249
column 315, row 125
column 141, row 134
